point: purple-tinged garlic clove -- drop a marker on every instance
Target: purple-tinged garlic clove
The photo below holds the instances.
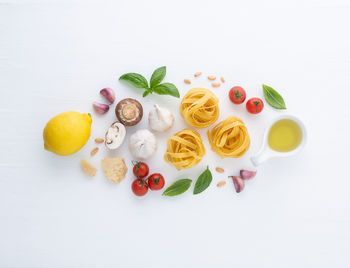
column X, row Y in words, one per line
column 108, row 94
column 238, row 182
column 247, row 174
column 100, row 107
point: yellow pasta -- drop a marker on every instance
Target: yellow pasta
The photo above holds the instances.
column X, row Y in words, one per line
column 199, row 107
column 229, row 138
column 185, row 149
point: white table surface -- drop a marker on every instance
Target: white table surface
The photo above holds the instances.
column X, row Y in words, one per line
column 56, row 56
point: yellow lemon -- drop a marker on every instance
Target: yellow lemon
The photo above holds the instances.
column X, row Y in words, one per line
column 67, row 132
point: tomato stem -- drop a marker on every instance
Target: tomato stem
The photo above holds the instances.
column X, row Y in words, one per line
column 156, row 181
column 143, row 182
column 237, row 95
column 256, row 103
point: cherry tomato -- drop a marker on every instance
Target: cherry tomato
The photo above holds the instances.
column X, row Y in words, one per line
column 254, row 105
column 139, row 187
column 140, row 169
column 156, row 181
column 237, row 95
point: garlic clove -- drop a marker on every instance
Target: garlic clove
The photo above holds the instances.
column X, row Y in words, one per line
column 142, row 144
column 160, row 119
column 115, row 136
column 100, row 107
column 108, row 94
column 238, row 183
column 247, row 174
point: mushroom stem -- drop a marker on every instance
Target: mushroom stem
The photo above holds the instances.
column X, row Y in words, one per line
column 129, row 111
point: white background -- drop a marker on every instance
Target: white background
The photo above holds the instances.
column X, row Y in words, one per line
column 56, row 56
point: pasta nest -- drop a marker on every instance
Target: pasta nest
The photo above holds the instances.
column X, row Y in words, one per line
column 199, row 107
column 185, row 149
column 229, row 138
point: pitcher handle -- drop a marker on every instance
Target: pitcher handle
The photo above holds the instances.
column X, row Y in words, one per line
column 260, row 158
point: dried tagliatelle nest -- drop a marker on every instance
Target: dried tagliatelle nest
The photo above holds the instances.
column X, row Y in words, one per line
column 114, row 169
column 229, row 138
column 185, row 149
column 199, row 107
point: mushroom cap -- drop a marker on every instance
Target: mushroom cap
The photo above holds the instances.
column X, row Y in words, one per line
column 129, row 112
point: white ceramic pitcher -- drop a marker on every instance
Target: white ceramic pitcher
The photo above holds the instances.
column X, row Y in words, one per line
column 266, row 152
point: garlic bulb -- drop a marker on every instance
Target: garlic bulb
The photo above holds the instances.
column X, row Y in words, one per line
column 160, row 119
column 142, row 144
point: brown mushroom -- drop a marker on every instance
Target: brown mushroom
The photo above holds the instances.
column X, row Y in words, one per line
column 129, row 112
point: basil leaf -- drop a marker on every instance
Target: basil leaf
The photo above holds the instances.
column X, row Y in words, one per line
column 203, row 181
column 273, row 98
column 146, row 93
column 167, row 89
column 135, row 79
column 178, row 187
column 158, row 76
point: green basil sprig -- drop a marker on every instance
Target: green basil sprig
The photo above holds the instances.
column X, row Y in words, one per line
column 273, row 98
column 203, row 181
column 138, row 81
column 178, row 187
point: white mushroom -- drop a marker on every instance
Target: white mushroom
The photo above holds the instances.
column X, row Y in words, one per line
column 160, row 119
column 143, row 144
column 115, row 136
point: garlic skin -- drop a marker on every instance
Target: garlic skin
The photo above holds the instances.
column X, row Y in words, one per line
column 160, row 119
column 115, row 136
column 142, row 144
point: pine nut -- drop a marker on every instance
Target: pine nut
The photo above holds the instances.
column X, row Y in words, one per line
column 99, row 140
column 220, row 170
column 94, row 151
column 221, row 183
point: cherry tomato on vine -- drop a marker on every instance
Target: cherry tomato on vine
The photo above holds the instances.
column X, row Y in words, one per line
column 237, row 95
column 139, row 187
column 156, row 181
column 254, row 105
column 140, row 169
